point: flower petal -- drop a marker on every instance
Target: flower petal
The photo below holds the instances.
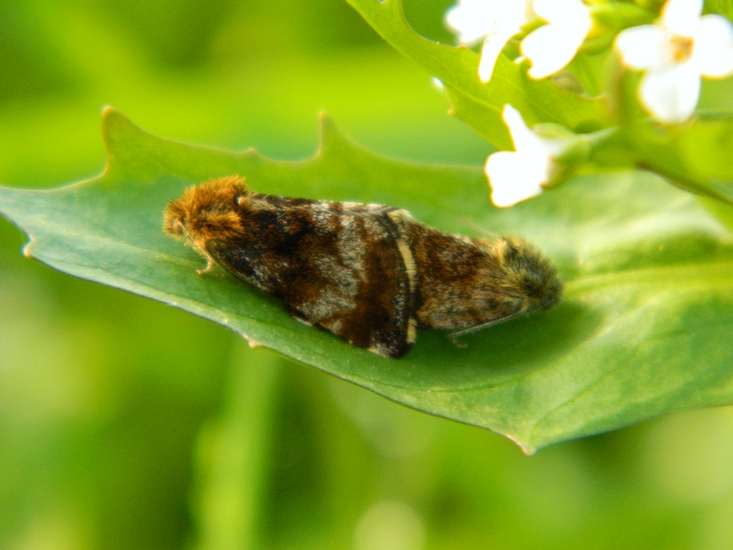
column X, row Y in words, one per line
column 513, row 178
column 552, row 47
column 523, row 138
column 491, row 51
column 513, row 13
column 670, row 95
column 643, row 47
column 472, row 19
column 516, row 176
column 682, row 16
column 713, row 52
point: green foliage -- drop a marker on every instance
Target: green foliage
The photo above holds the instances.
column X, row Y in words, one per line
column 694, row 155
column 473, row 102
column 641, row 331
column 119, row 428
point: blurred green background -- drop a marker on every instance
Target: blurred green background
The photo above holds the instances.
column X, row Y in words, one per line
column 128, row 424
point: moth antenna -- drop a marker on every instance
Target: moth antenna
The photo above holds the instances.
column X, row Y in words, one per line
column 476, row 227
column 487, row 324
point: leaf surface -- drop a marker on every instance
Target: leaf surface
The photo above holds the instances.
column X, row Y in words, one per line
column 643, row 329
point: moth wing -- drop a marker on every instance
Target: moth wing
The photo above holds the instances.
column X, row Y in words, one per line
column 364, row 292
column 349, row 271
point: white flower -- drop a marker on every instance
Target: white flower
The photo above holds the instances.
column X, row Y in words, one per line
column 675, row 52
column 553, row 46
column 520, row 175
column 495, row 21
column 549, row 48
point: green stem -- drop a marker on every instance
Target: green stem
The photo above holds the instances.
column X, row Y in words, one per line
column 233, row 453
column 610, row 150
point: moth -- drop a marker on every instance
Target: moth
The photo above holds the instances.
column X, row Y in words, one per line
column 369, row 273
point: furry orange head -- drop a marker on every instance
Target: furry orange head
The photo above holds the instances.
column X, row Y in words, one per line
column 206, row 211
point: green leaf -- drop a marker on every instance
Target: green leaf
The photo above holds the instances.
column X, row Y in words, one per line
column 474, row 102
column 694, row 155
column 643, row 329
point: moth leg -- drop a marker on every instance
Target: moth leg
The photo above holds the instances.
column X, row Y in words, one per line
column 207, row 269
column 456, row 343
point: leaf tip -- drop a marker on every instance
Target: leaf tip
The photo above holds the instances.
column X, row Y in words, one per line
column 327, row 125
column 331, row 137
column 27, row 249
column 111, row 118
column 253, row 344
column 527, row 448
column 118, row 132
column 115, row 126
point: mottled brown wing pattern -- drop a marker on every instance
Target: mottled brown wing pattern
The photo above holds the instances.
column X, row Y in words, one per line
column 339, row 266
